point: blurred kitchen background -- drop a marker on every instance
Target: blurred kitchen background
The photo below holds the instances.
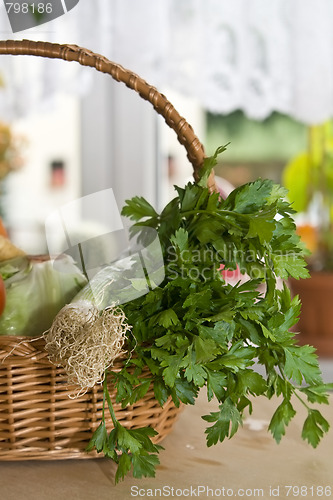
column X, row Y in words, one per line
column 257, row 75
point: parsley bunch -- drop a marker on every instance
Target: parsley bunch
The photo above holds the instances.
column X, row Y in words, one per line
column 196, row 330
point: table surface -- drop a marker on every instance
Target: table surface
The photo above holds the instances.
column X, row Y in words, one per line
column 249, row 465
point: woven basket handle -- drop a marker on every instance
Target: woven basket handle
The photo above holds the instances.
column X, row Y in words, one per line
column 185, row 133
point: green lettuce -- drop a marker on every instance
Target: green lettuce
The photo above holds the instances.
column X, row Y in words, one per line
column 36, row 290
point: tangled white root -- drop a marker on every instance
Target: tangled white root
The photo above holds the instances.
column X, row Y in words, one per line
column 85, row 341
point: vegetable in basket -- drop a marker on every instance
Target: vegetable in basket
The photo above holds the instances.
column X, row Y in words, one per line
column 195, row 330
column 2, row 296
column 88, row 334
column 3, row 230
column 35, row 292
column 7, row 251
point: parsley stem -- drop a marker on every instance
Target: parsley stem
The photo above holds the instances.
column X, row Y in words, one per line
column 108, row 399
column 220, row 213
column 103, row 408
column 293, row 389
column 301, row 400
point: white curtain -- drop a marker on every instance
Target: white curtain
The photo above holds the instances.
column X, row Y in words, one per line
column 258, row 55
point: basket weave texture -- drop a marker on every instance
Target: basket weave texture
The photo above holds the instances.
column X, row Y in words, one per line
column 38, row 418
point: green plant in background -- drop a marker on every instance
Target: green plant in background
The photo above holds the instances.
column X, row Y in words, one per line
column 10, row 150
column 309, row 180
column 11, row 160
column 253, row 140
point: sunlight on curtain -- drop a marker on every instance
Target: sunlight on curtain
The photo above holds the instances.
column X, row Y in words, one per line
column 256, row 56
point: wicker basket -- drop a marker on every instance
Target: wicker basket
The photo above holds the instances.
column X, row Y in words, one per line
column 38, row 419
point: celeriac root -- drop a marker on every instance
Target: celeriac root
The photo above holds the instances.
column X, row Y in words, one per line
column 85, row 341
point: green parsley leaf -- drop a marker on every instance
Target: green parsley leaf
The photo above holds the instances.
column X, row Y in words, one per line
column 193, row 371
column 209, row 164
column 314, row 427
column 226, row 420
column 167, row 318
column 250, row 381
column 250, row 197
column 137, row 208
column 289, row 265
column 172, row 366
column 185, row 391
column 302, row 363
column 160, row 390
column 317, row 393
column 281, row 418
column 262, row 226
column 124, row 466
column 180, row 239
column 216, row 383
column 144, row 465
column 205, row 350
column 99, row 438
